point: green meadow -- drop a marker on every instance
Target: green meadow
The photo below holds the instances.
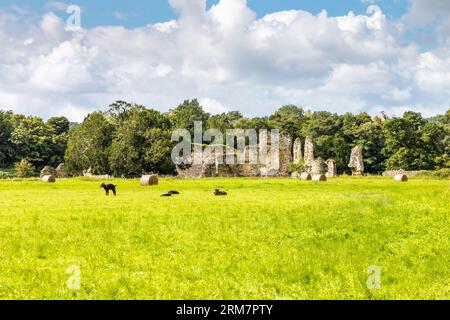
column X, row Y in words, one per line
column 268, row 239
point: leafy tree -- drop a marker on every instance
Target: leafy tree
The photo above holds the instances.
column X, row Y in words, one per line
column 6, row 148
column 32, row 139
column 89, row 144
column 288, row 119
column 158, row 156
column 60, row 125
column 141, row 144
column 252, row 123
column 370, row 136
column 413, row 143
column 224, row 121
column 184, row 116
column 323, row 127
column 119, row 111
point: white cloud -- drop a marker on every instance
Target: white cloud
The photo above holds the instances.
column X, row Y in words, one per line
column 212, row 106
column 119, row 15
column 430, row 13
column 57, row 5
column 227, row 58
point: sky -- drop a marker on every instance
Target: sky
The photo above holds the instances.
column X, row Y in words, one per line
column 253, row 56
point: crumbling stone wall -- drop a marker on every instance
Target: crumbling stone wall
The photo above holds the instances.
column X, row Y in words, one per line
column 212, row 167
column 48, row 171
column 297, row 150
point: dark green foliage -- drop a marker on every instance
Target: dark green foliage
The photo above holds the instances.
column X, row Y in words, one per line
column 141, row 143
column 89, row 145
column 129, row 139
column 413, row 143
column 6, row 147
column 184, row 116
column 288, row 119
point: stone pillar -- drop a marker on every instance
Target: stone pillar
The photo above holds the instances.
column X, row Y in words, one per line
column 318, row 167
column 331, row 172
column 285, row 154
column 298, row 150
column 357, row 161
column 309, row 153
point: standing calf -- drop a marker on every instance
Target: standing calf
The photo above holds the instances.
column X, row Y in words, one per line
column 109, row 187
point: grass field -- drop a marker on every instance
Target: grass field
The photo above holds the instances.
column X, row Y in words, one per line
column 269, row 239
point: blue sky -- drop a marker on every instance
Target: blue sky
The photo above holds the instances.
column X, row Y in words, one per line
column 253, row 56
column 136, row 13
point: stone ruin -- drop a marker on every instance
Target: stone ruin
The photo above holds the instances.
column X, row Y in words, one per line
column 332, row 171
column 309, row 153
column 212, row 166
column 357, row 161
column 48, row 171
column 215, row 166
column 61, row 171
column 317, row 166
column 298, row 150
column 88, row 174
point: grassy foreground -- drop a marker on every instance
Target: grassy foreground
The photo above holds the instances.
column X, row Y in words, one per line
column 269, row 239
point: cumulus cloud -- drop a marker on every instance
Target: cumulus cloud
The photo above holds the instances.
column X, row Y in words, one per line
column 431, row 13
column 226, row 57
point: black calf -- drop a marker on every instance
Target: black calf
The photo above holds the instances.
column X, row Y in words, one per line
column 109, row 187
column 220, row 193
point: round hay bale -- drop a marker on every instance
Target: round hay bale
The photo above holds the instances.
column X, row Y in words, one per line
column 49, row 179
column 401, row 178
column 149, row 180
column 305, row 176
column 319, row 177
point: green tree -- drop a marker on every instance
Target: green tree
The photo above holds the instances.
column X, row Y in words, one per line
column 89, row 144
column 370, row 136
column 323, row 127
column 288, row 119
column 60, row 125
column 6, row 148
column 32, row 139
column 60, row 128
column 184, row 116
column 224, row 121
column 141, row 144
column 413, row 143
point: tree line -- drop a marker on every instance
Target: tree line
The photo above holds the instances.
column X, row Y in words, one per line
column 129, row 139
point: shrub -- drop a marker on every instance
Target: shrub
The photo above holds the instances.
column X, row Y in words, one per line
column 298, row 167
column 25, row 169
column 442, row 173
column 4, row 175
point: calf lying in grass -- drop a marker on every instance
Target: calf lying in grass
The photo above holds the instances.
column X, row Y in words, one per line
column 220, row 193
column 109, row 187
column 170, row 193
